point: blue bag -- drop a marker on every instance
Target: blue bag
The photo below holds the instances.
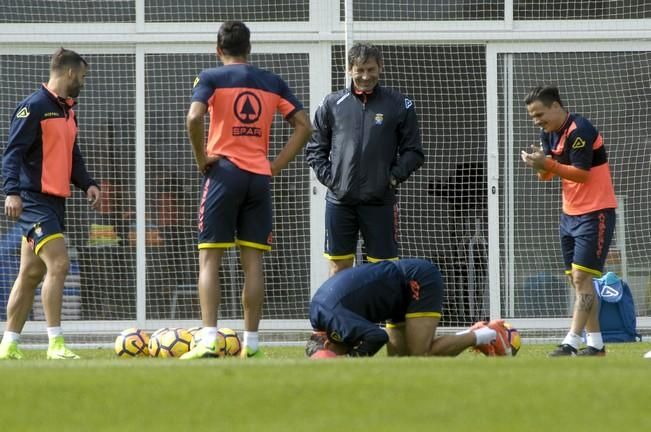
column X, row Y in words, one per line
column 617, row 309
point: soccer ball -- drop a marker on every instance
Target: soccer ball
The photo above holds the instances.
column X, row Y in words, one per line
column 219, row 344
column 514, row 339
column 169, row 342
column 132, row 342
column 233, row 346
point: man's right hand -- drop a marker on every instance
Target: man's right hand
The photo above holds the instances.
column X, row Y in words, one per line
column 13, row 206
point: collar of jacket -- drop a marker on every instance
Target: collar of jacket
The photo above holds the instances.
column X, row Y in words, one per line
column 66, row 103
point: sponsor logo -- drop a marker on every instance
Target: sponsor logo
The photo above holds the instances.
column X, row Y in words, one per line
column 408, row 103
column 414, row 286
column 51, row 114
column 196, row 81
column 379, row 119
column 246, row 131
column 247, row 107
column 23, row 113
column 601, row 233
column 578, row 143
column 608, row 292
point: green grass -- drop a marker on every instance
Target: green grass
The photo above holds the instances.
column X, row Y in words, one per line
column 286, row 392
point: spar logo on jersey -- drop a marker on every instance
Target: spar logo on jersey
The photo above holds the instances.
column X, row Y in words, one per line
column 247, row 109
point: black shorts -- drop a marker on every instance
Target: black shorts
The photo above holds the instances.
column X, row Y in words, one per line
column 585, row 240
column 235, row 208
column 377, row 223
column 41, row 219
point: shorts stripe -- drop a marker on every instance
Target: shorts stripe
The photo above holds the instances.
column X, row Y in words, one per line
column 202, row 208
column 45, row 240
column 395, row 325
column 423, row 315
column 338, row 257
column 414, row 315
column 376, row 260
column 253, row 245
column 216, row 245
column 586, row 269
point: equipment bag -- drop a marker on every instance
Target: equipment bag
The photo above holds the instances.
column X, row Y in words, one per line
column 617, row 309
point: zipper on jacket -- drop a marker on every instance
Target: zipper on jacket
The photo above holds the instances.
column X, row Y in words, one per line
column 361, row 148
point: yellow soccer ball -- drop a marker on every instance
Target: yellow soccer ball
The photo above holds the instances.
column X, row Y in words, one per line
column 132, row 342
column 232, row 343
column 169, row 342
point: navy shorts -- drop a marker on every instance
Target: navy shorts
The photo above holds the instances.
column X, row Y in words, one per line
column 41, row 219
column 585, row 240
column 235, row 208
column 426, row 287
column 377, row 223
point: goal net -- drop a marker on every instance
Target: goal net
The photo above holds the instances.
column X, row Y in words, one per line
column 610, row 89
column 472, row 208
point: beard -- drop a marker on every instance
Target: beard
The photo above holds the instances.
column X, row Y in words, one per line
column 74, row 91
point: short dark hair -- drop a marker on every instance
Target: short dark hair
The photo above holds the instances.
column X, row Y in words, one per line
column 362, row 52
column 234, row 39
column 315, row 343
column 63, row 59
column 547, row 94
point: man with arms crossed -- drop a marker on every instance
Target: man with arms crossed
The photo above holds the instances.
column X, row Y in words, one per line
column 366, row 143
column 41, row 159
column 572, row 149
column 346, row 309
column 235, row 207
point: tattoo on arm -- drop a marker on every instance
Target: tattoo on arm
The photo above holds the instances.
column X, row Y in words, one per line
column 584, row 302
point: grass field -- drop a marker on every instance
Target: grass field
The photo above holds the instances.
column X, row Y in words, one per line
column 286, row 392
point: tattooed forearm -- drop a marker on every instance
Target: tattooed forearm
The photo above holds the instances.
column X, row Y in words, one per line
column 584, row 302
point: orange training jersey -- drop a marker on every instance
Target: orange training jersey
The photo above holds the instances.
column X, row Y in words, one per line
column 579, row 144
column 242, row 100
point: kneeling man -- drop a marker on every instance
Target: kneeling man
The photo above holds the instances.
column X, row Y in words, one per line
column 408, row 295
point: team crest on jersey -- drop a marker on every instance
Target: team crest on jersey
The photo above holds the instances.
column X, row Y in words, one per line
column 335, row 336
column 379, row 119
column 196, row 81
column 408, row 103
column 578, row 143
column 23, row 113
